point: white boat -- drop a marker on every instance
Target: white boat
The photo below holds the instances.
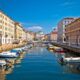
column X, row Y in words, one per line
column 18, row 49
column 50, row 47
column 23, row 48
column 9, row 54
column 72, row 59
column 2, row 62
column 28, row 46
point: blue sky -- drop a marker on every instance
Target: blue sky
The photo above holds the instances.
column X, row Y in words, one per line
column 40, row 14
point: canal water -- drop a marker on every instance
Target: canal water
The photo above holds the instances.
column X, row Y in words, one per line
column 40, row 64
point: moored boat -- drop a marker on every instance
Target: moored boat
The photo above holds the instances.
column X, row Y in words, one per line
column 64, row 59
column 18, row 51
column 72, row 59
column 8, row 54
column 59, row 50
column 2, row 62
column 50, row 47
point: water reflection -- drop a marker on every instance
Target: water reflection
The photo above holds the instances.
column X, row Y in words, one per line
column 72, row 67
column 5, row 70
column 2, row 74
column 8, row 68
column 39, row 64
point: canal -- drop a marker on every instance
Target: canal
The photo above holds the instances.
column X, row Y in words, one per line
column 40, row 64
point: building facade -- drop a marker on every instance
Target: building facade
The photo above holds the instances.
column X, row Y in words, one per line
column 20, row 33
column 61, row 29
column 48, row 37
column 40, row 36
column 24, row 35
column 45, row 37
column 53, row 35
column 73, row 33
column 30, row 36
column 7, row 29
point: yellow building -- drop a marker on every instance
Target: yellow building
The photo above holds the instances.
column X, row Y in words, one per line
column 7, row 29
column 24, row 35
column 30, row 36
column 20, row 33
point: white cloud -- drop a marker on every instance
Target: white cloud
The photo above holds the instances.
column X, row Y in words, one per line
column 54, row 27
column 35, row 28
column 27, row 23
column 67, row 4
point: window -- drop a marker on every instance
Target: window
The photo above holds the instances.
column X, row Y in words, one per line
column 0, row 21
column 5, row 24
column 0, row 27
column 5, row 28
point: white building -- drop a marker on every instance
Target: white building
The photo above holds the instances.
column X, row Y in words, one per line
column 61, row 29
column 40, row 35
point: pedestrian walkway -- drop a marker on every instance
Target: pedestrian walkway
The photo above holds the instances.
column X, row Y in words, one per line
column 6, row 47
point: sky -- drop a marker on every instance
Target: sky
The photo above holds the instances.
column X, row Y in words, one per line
column 40, row 14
